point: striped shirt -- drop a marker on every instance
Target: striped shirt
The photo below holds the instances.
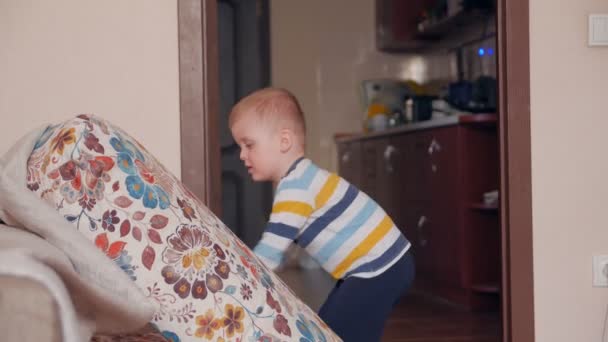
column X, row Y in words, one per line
column 341, row 227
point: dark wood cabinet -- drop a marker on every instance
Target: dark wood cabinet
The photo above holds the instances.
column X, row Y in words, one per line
column 397, row 24
column 431, row 182
column 379, row 173
column 415, row 25
column 349, row 161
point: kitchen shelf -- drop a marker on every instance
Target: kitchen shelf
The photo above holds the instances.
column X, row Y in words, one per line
column 486, row 119
column 486, row 288
column 484, row 207
column 448, row 26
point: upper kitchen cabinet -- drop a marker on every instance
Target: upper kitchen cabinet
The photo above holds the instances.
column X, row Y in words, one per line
column 397, row 23
column 414, row 25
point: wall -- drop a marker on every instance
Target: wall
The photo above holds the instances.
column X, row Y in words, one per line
column 117, row 59
column 569, row 169
column 322, row 50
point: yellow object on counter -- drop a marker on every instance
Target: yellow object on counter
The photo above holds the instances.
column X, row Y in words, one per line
column 377, row 117
column 417, row 88
column 376, row 109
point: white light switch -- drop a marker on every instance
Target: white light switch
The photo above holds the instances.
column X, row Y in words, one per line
column 600, row 270
column 598, row 29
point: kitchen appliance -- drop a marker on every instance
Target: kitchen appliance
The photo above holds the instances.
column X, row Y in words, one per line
column 388, row 92
column 475, row 97
column 422, row 108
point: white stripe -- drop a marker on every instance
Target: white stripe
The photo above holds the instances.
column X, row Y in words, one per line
column 276, row 241
column 294, row 195
column 317, row 182
column 299, row 170
column 339, row 223
column 333, row 199
column 356, row 239
column 290, row 219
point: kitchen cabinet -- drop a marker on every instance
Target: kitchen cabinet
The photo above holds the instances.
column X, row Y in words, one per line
column 397, row 22
column 431, row 181
column 415, row 25
column 349, row 161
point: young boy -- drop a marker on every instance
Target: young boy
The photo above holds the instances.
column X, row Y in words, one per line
column 339, row 226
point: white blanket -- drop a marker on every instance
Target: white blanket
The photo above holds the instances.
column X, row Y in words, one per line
column 92, row 294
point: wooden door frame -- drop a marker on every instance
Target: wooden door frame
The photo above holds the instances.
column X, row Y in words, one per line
column 200, row 151
column 199, row 100
column 513, row 52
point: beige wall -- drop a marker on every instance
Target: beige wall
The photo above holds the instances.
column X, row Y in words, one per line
column 322, row 50
column 569, row 169
column 117, row 59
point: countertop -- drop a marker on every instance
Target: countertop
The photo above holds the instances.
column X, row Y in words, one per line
column 469, row 119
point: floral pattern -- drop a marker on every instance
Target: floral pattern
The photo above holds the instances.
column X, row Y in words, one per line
column 207, row 285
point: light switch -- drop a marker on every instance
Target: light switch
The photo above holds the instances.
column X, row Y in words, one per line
column 598, row 29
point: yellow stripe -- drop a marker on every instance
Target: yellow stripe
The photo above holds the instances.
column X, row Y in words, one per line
column 295, row 207
column 364, row 247
column 327, row 190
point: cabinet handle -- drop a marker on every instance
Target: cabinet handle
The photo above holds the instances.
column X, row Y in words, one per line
column 434, row 147
column 388, row 154
column 346, row 157
column 382, row 30
column 422, row 240
column 421, row 221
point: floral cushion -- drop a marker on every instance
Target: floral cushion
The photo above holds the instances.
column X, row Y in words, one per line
column 149, row 333
column 205, row 282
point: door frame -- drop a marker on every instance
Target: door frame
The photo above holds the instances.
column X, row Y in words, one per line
column 199, row 100
column 513, row 53
column 200, row 157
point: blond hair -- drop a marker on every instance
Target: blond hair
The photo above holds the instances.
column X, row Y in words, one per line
column 272, row 106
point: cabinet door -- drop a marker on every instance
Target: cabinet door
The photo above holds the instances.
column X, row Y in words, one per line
column 397, row 23
column 444, row 204
column 429, row 201
column 441, row 166
column 349, row 161
column 417, row 168
column 401, row 163
column 373, row 172
column 382, row 175
column 417, row 229
column 369, row 170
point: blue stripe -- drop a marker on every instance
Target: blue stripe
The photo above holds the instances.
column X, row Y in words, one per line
column 349, row 230
column 320, row 223
column 282, row 230
column 268, row 252
column 384, row 259
column 303, row 182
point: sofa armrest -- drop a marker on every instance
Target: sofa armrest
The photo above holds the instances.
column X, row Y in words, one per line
column 28, row 310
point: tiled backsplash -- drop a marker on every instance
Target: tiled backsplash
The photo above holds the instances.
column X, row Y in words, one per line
column 479, row 59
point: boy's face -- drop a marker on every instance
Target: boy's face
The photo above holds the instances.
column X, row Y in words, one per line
column 260, row 147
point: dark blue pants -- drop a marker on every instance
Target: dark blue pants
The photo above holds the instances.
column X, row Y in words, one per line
column 357, row 308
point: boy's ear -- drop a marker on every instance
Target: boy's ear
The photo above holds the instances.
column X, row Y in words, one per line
column 287, row 139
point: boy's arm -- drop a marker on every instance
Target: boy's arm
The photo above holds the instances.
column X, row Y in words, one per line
column 286, row 219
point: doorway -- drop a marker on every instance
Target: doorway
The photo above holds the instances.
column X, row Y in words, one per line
column 244, row 66
column 514, row 99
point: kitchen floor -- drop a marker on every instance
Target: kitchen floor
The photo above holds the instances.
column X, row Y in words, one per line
column 417, row 318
